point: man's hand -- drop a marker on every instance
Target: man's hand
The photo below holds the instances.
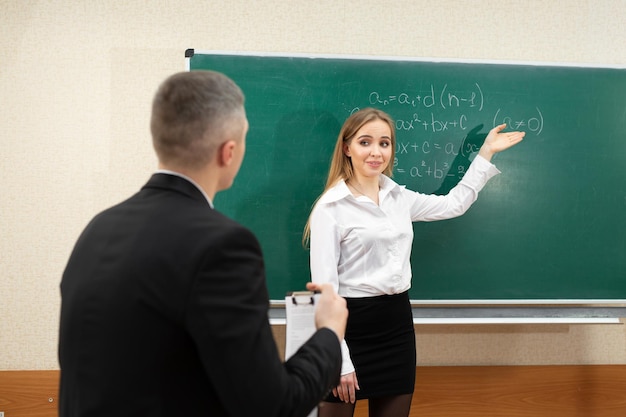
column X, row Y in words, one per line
column 331, row 310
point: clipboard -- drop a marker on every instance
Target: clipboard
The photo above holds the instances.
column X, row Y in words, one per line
column 300, row 322
column 300, row 319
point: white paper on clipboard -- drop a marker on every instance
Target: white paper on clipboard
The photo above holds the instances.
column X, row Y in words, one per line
column 300, row 323
column 300, row 318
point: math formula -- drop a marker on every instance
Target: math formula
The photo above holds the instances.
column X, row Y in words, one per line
column 439, row 129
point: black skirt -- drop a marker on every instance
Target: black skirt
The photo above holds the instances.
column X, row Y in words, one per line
column 381, row 339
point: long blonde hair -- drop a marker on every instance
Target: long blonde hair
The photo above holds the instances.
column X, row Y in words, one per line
column 341, row 164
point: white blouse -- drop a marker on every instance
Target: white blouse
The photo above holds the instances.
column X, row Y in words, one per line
column 364, row 249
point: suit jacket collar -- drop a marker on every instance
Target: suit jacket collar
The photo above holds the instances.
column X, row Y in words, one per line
column 177, row 183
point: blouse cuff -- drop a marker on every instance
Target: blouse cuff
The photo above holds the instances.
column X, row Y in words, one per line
column 482, row 171
column 346, row 363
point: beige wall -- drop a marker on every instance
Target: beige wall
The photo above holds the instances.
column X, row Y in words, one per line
column 77, row 78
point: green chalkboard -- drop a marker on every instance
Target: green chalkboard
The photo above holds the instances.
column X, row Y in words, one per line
column 551, row 227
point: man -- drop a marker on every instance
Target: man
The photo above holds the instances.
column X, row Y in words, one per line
column 164, row 300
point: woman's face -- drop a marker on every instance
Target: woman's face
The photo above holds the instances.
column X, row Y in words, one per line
column 370, row 149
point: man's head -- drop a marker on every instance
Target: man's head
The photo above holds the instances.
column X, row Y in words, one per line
column 197, row 116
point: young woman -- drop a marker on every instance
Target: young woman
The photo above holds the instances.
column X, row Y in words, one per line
column 360, row 234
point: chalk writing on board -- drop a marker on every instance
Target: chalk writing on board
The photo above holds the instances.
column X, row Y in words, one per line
column 443, row 98
column 427, row 167
column 434, row 124
column 428, row 147
column 449, row 118
column 533, row 124
column 431, row 123
column 436, row 170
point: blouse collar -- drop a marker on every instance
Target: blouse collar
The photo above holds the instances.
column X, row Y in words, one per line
column 340, row 190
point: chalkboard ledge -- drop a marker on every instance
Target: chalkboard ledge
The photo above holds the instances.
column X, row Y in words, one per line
column 500, row 315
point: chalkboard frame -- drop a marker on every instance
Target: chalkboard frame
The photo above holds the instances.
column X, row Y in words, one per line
column 190, row 53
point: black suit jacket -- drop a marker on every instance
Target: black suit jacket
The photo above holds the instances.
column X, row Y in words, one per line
column 165, row 313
